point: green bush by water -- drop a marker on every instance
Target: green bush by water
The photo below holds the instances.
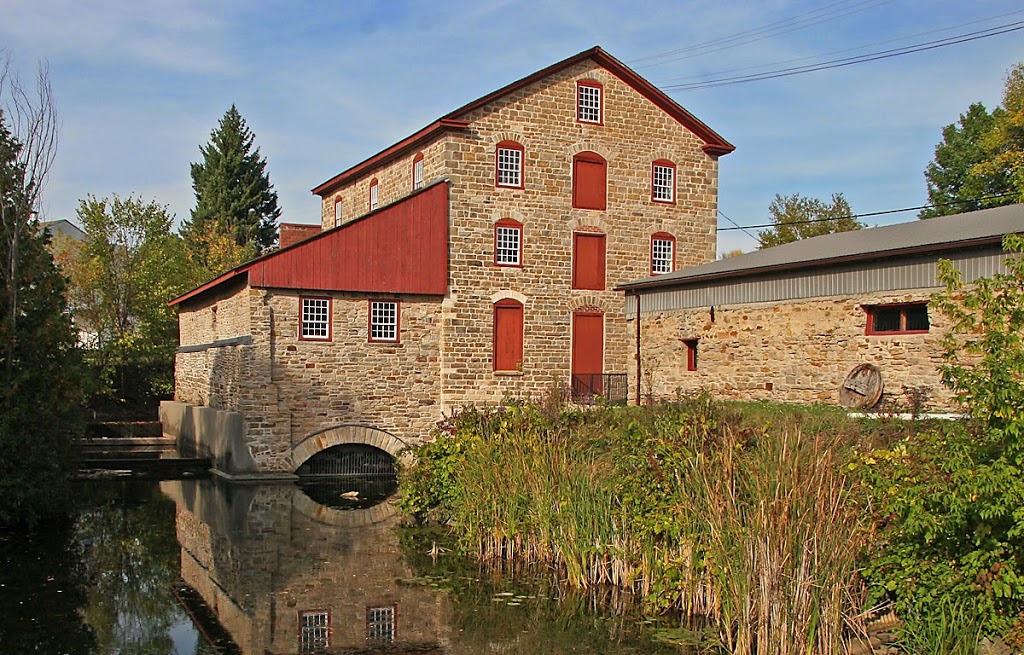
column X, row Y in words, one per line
column 697, row 511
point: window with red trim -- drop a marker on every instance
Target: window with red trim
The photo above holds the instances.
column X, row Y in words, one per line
column 588, row 261
column 508, row 165
column 508, row 242
column 337, row 211
column 373, row 194
column 663, row 181
column 905, row 318
column 589, row 101
column 508, row 335
column 417, row 171
column 315, row 319
column 589, row 181
column 663, row 253
column 384, row 320
column 691, row 353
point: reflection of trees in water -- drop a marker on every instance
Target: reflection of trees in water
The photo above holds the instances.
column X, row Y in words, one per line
column 42, row 585
column 127, row 532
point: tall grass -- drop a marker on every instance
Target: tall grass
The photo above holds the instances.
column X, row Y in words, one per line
column 756, row 529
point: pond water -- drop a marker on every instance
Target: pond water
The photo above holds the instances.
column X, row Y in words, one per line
column 197, row 567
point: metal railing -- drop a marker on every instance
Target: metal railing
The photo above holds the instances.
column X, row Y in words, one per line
column 592, row 387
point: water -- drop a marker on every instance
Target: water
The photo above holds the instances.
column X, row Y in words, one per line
column 198, row 567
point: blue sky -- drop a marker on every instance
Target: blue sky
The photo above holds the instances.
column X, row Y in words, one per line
column 323, row 85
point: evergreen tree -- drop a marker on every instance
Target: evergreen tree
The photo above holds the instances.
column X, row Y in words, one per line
column 40, row 397
column 233, row 190
column 952, row 188
column 798, row 217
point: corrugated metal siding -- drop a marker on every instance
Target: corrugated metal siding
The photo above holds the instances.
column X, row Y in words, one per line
column 870, row 277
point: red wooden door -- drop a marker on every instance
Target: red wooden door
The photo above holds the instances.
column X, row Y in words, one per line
column 587, row 353
column 508, row 335
column 588, row 261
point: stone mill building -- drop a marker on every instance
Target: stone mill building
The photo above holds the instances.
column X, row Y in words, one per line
column 473, row 260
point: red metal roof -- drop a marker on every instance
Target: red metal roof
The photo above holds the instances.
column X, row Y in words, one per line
column 714, row 144
column 401, row 248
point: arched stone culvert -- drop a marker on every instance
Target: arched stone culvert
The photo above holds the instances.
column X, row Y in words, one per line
column 349, row 433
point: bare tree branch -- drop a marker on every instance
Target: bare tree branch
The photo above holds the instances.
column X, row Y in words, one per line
column 31, row 117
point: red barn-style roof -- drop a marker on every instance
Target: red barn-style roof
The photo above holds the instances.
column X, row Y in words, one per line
column 400, row 248
column 714, row 144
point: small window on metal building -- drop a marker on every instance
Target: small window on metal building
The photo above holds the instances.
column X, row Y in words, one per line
column 906, row 318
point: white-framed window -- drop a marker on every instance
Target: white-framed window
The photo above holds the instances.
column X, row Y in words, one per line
column 588, row 102
column 380, row 624
column 662, row 253
column 510, row 164
column 316, row 319
column 508, row 243
column 383, row 320
column 337, row 211
column 417, row 172
column 663, row 181
column 314, row 631
column 373, row 195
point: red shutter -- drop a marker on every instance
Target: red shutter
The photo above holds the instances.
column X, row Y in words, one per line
column 508, row 335
column 590, row 177
column 588, row 261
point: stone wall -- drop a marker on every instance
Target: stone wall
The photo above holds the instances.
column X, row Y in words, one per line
column 214, row 375
column 542, row 118
column 793, row 351
column 394, row 182
column 287, row 388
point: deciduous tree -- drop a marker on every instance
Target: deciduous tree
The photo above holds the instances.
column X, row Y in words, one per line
column 233, row 190
column 1003, row 167
column 797, row 217
column 952, row 188
column 130, row 265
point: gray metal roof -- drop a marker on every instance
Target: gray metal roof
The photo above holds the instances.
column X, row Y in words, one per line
column 916, row 237
column 66, row 227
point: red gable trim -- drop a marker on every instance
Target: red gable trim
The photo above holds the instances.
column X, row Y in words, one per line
column 401, row 248
column 715, row 144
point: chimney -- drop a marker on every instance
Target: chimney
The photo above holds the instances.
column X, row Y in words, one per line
column 294, row 232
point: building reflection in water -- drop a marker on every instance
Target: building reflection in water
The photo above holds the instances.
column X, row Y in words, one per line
column 284, row 573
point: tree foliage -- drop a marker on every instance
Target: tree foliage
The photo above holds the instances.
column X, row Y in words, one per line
column 797, row 217
column 40, row 371
column 233, row 190
column 1003, row 168
column 952, row 188
column 980, row 161
column 130, row 265
column 955, row 496
column 212, row 251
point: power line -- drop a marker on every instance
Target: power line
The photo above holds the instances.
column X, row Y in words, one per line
column 662, row 83
column 865, row 215
column 737, row 226
column 849, row 61
column 777, row 28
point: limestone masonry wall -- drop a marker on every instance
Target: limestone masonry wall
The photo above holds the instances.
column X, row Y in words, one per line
column 217, row 376
column 794, row 351
column 394, row 182
column 542, row 118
